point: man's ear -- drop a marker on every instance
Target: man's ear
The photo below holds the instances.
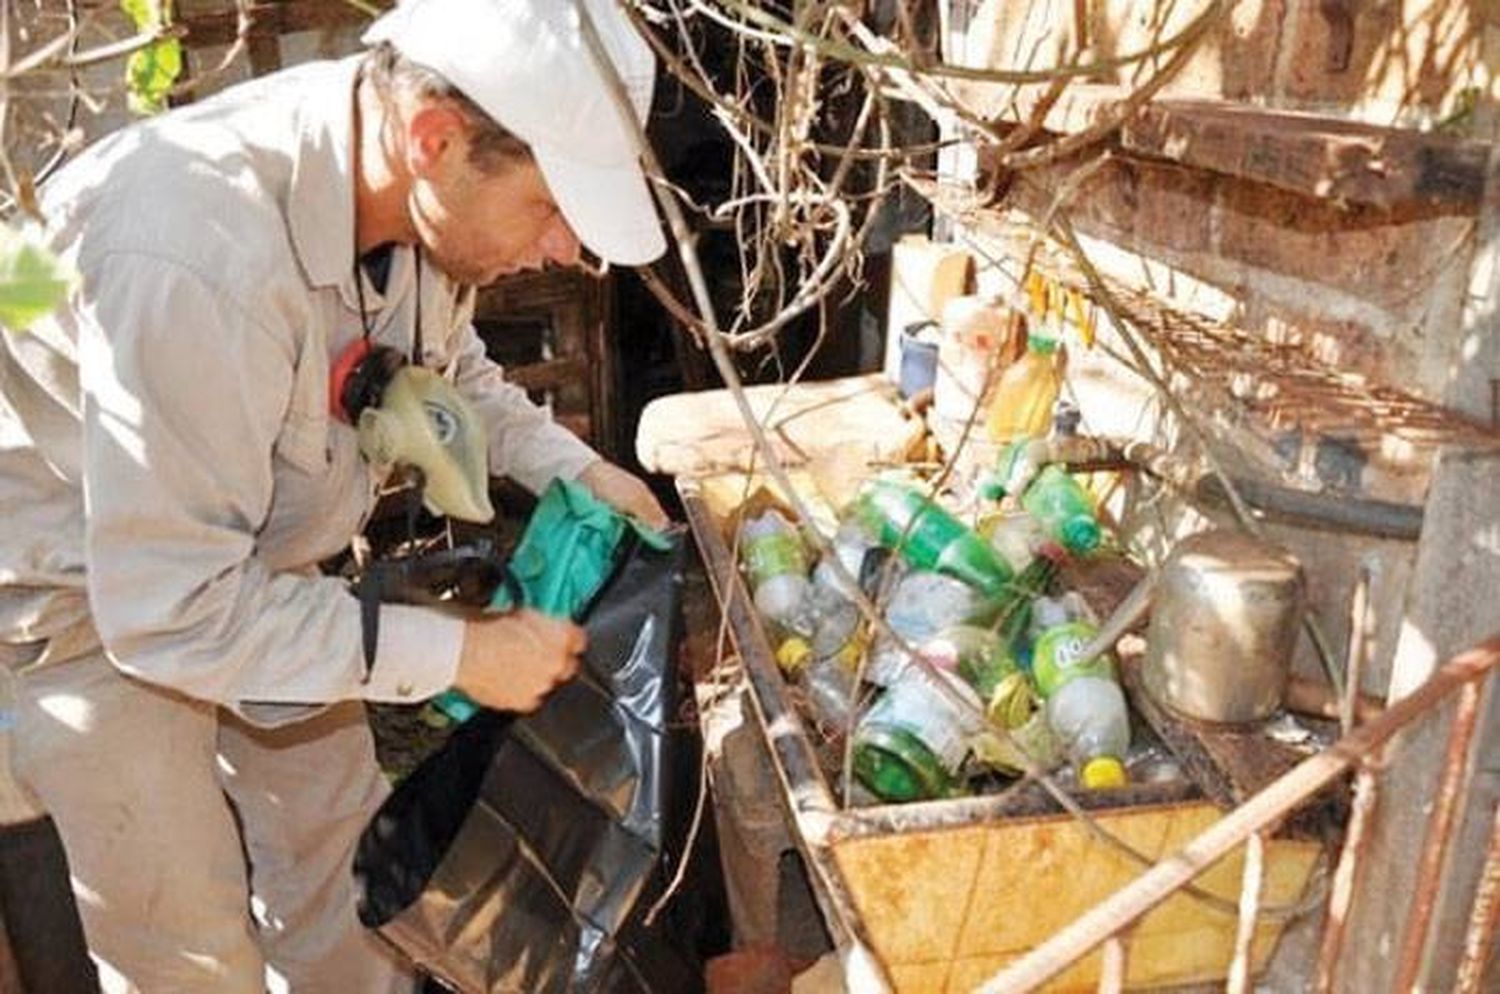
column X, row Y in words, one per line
column 434, row 130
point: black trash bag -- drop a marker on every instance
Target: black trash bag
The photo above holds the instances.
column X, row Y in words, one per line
column 522, row 855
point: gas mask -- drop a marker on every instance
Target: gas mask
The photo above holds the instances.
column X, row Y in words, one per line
column 410, row 416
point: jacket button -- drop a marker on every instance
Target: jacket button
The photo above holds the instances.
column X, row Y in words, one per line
column 404, row 689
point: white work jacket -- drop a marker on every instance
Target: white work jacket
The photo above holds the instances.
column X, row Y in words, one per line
column 170, row 474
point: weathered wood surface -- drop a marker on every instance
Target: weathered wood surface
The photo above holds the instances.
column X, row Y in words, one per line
column 855, row 421
column 1330, row 158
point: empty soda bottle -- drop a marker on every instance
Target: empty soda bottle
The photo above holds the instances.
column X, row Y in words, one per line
column 920, row 605
column 1085, row 706
column 1064, row 510
column 901, row 518
column 912, row 742
column 776, row 564
column 1021, row 406
column 1058, row 504
column 1018, row 727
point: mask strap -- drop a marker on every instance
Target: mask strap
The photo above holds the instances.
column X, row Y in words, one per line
column 364, row 310
column 359, row 293
column 416, row 338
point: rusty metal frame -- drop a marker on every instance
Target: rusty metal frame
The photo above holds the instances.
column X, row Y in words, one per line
column 1484, row 922
column 1265, row 809
column 1440, row 825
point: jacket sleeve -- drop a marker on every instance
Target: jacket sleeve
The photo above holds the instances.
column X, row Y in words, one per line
column 525, row 444
column 184, row 393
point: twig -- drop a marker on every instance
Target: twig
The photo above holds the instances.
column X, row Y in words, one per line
column 789, row 34
column 1252, row 879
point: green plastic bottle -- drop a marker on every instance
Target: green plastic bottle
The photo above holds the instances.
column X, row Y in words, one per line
column 902, row 519
column 911, row 744
column 1055, row 500
column 1064, row 509
column 1054, row 659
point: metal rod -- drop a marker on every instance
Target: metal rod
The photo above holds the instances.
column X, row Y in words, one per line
column 1346, row 875
column 1484, row 922
column 1112, row 967
column 1251, row 880
column 1315, row 697
column 1260, row 812
column 1359, row 639
column 1440, row 824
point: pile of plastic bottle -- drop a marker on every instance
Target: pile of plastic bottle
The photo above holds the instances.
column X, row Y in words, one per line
column 973, row 672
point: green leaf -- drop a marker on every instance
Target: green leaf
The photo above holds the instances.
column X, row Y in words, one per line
column 150, row 74
column 32, row 281
column 151, row 71
column 146, row 15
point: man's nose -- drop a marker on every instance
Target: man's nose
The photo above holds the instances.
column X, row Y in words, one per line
column 558, row 243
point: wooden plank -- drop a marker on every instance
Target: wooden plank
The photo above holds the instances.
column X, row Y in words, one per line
column 1327, row 158
column 547, row 375
column 1335, row 159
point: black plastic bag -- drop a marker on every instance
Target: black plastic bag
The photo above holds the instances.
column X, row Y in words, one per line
column 521, row 855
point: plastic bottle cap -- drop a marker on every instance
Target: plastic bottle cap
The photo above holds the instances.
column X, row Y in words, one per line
column 992, row 486
column 1044, row 344
column 1103, row 772
column 1081, row 534
column 793, row 654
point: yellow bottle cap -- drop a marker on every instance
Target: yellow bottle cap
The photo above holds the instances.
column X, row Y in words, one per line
column 1103, row 772
column 793, row 654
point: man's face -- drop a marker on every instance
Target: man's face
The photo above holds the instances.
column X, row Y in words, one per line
column 477, row 226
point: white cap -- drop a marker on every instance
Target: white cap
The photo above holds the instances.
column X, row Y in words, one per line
column 525, row 62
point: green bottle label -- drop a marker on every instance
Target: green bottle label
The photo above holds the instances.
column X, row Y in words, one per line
column 773, row 555
column 1055, row 660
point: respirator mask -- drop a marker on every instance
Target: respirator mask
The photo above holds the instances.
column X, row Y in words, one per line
column 410, row 416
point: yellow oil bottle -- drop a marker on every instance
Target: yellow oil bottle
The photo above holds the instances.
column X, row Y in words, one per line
column 1022, row 403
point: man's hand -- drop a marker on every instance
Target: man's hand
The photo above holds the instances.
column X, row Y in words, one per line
column 624, row 493
column 511, row 662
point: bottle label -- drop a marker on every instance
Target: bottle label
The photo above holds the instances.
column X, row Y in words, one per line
column 1059, row 654
column 913, row 704
column 773, row 555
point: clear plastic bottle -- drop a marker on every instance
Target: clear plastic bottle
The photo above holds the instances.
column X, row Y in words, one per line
column 1089, row 717
column 922, row 604
column 777, row 567
column 831, row 692
column 851, row 545
column 1021, row 406
column 1016, row 537
column 1085, row 706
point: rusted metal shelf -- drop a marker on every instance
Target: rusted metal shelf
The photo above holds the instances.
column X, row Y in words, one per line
column 1276, row 392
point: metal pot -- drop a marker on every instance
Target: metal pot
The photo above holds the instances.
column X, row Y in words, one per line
column 1223, row 626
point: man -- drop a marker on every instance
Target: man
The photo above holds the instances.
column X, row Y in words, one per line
column 170, row 474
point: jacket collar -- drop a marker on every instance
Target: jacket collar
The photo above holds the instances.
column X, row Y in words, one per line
column 320, row 203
